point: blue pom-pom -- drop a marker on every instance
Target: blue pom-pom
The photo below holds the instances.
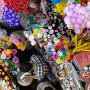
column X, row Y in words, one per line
column 55, row 1
column 10, row 18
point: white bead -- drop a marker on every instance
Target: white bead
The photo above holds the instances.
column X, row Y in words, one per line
column 50, row 27
column 48, row 36
column 85, row 68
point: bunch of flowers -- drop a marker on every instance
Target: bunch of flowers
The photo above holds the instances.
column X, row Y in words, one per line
column 60, row 7
column 18, row 5
column 10, row 18
column 76, row 17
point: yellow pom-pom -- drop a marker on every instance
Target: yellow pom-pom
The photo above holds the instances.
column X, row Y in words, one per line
column 20, row 46
column 60, row 7
column 8, row 51
column 36, row 31
column 58, row 61
column 68, row 55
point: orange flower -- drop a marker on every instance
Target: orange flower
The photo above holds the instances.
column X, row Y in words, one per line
column 21, row 46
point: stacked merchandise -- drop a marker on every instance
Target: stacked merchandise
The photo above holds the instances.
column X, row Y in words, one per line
column 60, row 27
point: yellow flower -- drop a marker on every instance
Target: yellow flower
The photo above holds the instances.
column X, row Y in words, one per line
column 68, row 55
column 36, row 31
column 60, row 7
column 7, row 52
column 58, row 61
column 20, row 46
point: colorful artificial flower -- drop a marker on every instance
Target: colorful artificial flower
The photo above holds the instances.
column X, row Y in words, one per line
column 20, row 46
column 10, row 18
column 55, row 56
column 8, row 56
column 76, row 17
column 36, row 31
column 3, row 56
column 8, row 51
column 15, row 59
column 58, row 46
column 58, row 61
column 18, row 5
column 42, row 30
column 59, row 8
column 14, row 51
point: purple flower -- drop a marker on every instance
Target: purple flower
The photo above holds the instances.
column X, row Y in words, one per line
column 14, row 51
column 15, row 59
column 55, row 56
column 8, row 56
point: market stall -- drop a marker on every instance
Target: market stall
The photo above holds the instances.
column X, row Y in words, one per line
column 59, row 30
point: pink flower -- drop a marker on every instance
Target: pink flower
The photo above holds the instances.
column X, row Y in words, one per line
column 55, row 56
column 14, row 51
column 42, row 30
column 3, row 56
column 8, row 56
column 15, row 59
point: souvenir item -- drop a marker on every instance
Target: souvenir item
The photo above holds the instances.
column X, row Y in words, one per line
column 68, row 77
column 59, row 8
column 18, row 5
column 10, row 18
column 75, row 17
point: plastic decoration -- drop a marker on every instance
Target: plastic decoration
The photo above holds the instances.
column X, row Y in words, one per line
column 8, row 56
column 60, row 7
column 10, row 18
column 19, row 44
column 15, row 59
column 55, row 1
column 76, row 17
column 88, row 11
column 2, row 4
column 18, row 5
column 7, row 52
column 14, row 51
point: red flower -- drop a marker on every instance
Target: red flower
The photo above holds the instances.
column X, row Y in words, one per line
column 58, row 47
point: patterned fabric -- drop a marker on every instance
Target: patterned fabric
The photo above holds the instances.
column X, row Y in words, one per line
column 42, row 67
